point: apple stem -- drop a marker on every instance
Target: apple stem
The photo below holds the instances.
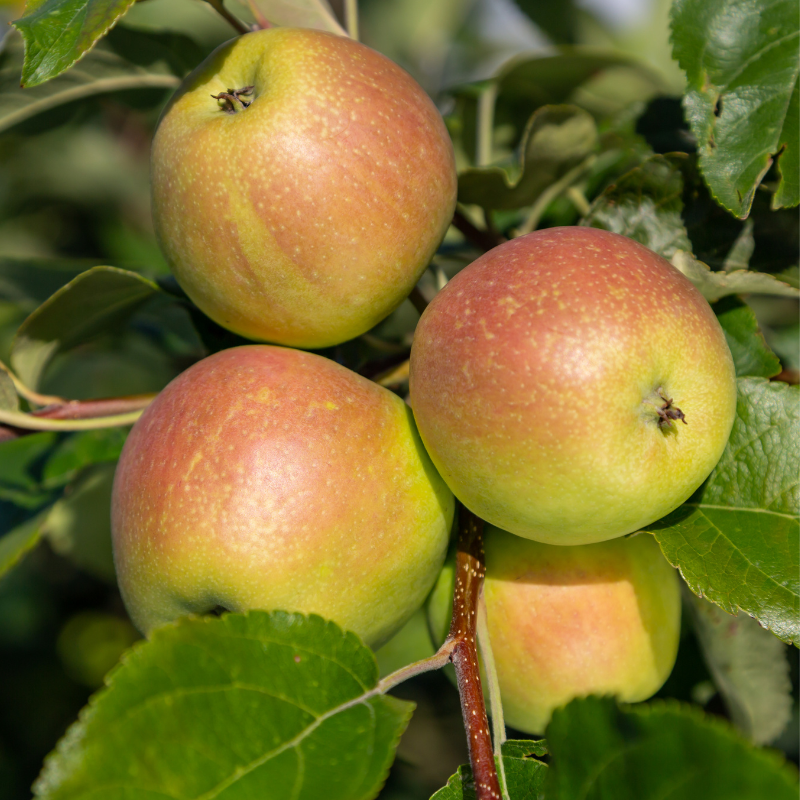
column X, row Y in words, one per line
column 236, row 24
column 470, row 570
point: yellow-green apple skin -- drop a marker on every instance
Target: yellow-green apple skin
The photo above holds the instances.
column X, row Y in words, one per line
column 538, row 373
column 308, row 216
column 265, row 477
column 565, row 622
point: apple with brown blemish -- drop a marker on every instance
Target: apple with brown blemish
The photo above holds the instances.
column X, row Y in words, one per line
column 301, row 183
column 565, row 622
column 572, row 386
column 264, row 477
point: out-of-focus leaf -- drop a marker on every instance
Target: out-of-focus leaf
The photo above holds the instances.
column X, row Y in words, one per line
column 267, row 705
column 28, row 282
column 17, row 542
column 750, row 669
column 645, row 205
column 151, row 48
column 82, row 450
column 600, row 751
column 525, row 775
column 9, row 399
column 750, row 351
column 556, row 139
column 737, row 540
column 742, row 62
column 714, row 285
column 100, row 72
column 297, row 14
column 100, row 298
column 59, row 32
column 78, row 526
column 19, row 459
column 557, row 20
column 739, row 255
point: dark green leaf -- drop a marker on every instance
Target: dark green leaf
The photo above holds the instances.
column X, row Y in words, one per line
column 749, row 666
column 100, row 72
column 18, row 541
column 59, row 32
column 524, row 774
column 556, row 139
column 714, row 285
column 99, row 299
column 78, row 526
column 154, row 48
column 737, row 540
column 645, row 205
column 28, row 282
column 19, row 462
column 750, row 351
column 262, row 705
column 557, row 20
column 81, row 450
column 742, row 63
column 600, row 751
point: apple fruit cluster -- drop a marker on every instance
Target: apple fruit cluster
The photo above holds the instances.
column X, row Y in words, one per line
column 569, row 387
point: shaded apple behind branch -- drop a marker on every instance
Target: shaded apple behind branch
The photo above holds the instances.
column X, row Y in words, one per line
column 269, row 478
column 565, row 622
column 572, row 386
column 301, row 184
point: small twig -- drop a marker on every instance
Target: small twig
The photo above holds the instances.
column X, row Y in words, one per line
column 483, row 144
column 483, row 240
column 395, row 376
column 30, row 395
column 236, row 24
column 351, row 18
column 418, row 300
column 440, row 659
column 470, row 570
column 261, row 21
column 495, row 703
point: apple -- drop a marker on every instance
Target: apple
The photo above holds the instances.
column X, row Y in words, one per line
column 301, row 183
column 264, row 477
column 572, row 386
column 565, row 622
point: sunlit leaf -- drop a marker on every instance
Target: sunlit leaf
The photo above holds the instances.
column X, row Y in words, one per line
column 742, row 63
column 262, row 705
column 750, row 351
column 297, row 14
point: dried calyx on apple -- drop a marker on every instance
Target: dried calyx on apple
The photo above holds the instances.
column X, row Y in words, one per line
column 511, row 361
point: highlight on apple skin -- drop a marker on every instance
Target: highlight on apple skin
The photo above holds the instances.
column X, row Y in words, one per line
column 264, row 477
column 302, row 201
column 565, row 622
column 572, row 386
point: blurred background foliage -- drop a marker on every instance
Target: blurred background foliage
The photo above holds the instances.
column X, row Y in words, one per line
column 74, row 192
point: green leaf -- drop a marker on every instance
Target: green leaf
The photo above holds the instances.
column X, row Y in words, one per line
column 737, row 540
column 9, row 399
column 556, row 139
column 750, row 351
column 101, row 298
column 525, row 775
column 645, row 205
column 59, row 32
column 750, row 669
column 601, row 751
column 742, row 63
column 297, row 14
column 714, row 285
column 262, row 705
column 100, row 72
column 28, row 282
column 19, row 541
column 19, row 460
column 146, row 48
column 82, row 450
column 78, row 526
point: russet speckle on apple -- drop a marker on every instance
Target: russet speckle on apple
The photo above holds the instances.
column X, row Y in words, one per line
column 572, row 386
